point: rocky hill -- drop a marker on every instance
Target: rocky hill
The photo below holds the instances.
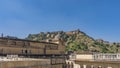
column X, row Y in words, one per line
column 78, row 41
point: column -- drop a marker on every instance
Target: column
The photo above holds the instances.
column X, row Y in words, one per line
column 77, row 66
column 84, row 66
column 92, row 66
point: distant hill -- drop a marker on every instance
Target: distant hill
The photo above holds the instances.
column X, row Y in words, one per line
column 78, row 41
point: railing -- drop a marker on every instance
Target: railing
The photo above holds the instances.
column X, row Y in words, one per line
column 95, row 57
column 106, row 57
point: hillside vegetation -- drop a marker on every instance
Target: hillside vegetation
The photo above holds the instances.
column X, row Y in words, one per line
column 78, row 41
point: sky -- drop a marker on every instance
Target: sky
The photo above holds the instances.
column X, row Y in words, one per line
column 99, row 19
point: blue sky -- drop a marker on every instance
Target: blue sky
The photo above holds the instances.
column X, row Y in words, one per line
column 97, row 18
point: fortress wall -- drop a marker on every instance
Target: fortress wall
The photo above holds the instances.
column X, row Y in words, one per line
column 28, row 64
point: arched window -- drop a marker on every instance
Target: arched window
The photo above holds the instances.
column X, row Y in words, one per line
column 26, row 51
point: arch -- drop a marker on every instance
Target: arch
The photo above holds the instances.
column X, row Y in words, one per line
column 68, row 66
column 72, row 65
column 65, row 65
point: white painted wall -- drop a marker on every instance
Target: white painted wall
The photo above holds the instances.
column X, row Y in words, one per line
column 84, row 57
